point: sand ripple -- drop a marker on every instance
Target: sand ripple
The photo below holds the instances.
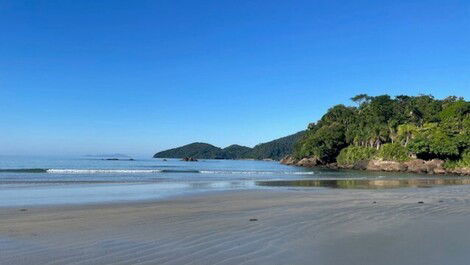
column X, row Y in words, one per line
column 293, row 227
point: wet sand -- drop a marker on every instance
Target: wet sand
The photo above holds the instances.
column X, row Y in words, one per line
column 288, row 226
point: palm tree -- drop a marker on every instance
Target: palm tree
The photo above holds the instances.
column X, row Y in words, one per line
column 406, row 132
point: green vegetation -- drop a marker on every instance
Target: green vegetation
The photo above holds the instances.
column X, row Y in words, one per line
column 194, row 150
column 378, row 127
column 388, row 151
column 391, row 129
column 236, row 151
column 394, row 152
column 276, row 149
column 463, row 162
column 353, row 154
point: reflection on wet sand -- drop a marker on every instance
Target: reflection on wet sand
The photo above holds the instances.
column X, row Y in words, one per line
column 367, row 183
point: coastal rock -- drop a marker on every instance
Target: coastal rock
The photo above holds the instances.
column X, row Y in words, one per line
column 440, row 171
column 308, row 162
column 189, row 159
column 378, row 165
column 416, row 166
column 332, row 166
column 390, row 166
column 345, row 166
column 289, row 160
column 461, row 171
column 435, row 166
column 360, row 165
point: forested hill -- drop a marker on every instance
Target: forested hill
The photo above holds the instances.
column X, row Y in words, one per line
column 400, row 128
column 275, row 149
column 194, row 150
column 278, row 148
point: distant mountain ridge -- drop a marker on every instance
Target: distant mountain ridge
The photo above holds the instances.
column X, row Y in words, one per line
column 275, row 149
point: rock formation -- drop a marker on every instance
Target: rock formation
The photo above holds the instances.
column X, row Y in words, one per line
column 419, row 166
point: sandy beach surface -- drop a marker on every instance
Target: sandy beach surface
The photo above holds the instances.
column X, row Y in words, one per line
column 287, row 226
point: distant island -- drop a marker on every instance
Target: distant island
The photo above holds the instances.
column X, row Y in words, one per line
column 116, row 155
column 417, row 134
column 111, row 157
column 275, row 150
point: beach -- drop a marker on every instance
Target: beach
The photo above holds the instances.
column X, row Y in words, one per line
column 266, row 226
column 235, row 132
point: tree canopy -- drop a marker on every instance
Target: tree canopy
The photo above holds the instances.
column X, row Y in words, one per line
column 275, row 149
column 417, row 126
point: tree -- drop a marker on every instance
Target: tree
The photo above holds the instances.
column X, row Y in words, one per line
column 432, row 141
column 406, row 132
column 361, row 98
column 423, row 125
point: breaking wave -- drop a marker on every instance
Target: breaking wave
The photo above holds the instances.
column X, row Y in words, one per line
column 149, row 171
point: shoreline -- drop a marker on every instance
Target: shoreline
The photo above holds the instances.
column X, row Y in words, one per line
column 288, row 226
column 415, row 166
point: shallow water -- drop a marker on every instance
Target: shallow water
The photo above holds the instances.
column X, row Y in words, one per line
column 414, row 182
column 28, row 181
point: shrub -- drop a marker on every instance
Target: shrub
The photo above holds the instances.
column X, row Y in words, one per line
column 394, row 152
column 353, row 154
column 463, row 162
column 432, row 141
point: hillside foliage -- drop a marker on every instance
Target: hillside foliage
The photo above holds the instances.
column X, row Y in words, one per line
column 194, row 150
column 397, row 128
column 275, row 150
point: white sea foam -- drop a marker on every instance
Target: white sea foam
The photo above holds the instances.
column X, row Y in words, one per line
column 257, row 172
column 302, row 173
column 156, row 171
column 235, row 172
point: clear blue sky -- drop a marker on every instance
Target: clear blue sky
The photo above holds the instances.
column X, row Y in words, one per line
column 86, row 77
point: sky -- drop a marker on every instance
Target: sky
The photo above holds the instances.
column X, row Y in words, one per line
column 136, row 77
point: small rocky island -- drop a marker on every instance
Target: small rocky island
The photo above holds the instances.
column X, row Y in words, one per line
column 189, row 159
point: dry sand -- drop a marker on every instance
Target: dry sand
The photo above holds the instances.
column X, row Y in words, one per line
column 294, row 226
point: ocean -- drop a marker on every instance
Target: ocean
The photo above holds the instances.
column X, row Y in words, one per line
column 30, row 181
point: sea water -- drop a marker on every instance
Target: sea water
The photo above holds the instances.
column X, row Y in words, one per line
column 26, row 181
column 29, row 181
